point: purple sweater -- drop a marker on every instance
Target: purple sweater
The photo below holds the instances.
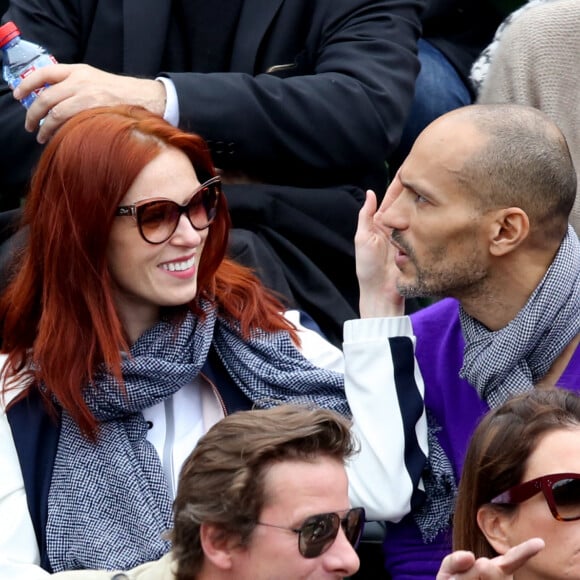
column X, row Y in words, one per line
column 457, row 408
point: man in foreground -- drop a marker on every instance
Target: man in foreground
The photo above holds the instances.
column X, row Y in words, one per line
column 264, row 494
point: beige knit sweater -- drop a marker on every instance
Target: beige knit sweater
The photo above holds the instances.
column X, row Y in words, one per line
column 537, row 63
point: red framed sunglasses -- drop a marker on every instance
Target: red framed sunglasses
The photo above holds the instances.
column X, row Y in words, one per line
column 561, row 491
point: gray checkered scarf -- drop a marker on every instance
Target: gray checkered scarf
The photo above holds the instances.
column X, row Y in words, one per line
column 109, row 503
column 503, row 363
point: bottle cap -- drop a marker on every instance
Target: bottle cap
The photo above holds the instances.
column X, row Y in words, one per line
column 8, row 32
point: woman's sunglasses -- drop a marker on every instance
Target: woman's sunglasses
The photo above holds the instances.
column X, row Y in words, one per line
column 318, row 532
column 561, row 490
column 157, row 219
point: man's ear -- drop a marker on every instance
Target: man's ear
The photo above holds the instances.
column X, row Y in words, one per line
column 509, row 228
column 495, row 526
column 217, row 546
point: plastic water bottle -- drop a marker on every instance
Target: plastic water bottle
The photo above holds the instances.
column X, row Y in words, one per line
column 20, row 58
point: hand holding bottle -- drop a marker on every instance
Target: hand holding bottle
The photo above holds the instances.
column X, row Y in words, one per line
column 20, row 59
column 53, row 94
column 76, row 87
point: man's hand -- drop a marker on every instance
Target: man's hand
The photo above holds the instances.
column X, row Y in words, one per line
column 76, row 87
column 462, row 565
column 375, row 267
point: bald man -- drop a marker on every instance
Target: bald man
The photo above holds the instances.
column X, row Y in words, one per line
column 477, row 216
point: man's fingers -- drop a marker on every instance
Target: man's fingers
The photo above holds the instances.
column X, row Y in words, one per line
column 365, row 215
column 369, row 207
column 393, row 191
column 48, row 75
column 56, row 92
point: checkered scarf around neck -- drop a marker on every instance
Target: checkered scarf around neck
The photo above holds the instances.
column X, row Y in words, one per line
column 109, row 503
column 509, row 361
column 503, row 363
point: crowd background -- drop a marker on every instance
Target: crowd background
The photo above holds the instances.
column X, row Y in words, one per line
column 455, row 53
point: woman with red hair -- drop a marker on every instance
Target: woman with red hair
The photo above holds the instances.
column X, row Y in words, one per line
column 127, row 334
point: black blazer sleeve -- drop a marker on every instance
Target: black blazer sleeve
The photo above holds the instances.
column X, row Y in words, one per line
column 341, row 107
column 333, row 116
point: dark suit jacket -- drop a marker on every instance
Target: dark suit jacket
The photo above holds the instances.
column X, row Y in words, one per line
column 315, row 98
column 328, row 115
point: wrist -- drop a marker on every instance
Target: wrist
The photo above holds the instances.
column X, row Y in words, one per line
column 380, row 306
column 380, row 300
column 154, row 97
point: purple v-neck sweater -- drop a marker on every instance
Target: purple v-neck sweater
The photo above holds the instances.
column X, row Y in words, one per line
column 457, row 408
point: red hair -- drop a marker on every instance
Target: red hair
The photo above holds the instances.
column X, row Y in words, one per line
column 58, row 319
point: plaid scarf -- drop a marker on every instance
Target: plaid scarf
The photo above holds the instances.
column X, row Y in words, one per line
column 507, row 362
column 109, row 503
column 503, row 363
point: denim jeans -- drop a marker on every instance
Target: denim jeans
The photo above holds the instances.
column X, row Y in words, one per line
column 438, row 89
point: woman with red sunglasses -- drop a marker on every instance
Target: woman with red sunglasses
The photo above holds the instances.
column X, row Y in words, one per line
column 521, row 480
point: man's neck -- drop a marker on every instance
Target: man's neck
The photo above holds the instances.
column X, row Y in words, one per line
column 497, row 302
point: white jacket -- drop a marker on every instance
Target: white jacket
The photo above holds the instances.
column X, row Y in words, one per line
column 378, row 475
